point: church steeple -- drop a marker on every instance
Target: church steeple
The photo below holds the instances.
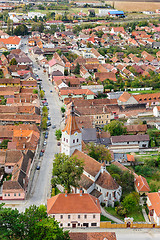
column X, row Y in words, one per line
column 71, row 126
column 71, row 135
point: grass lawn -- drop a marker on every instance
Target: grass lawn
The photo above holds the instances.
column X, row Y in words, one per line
column 145, row 91
column 137, row 215
column 113, row 212
column 104, row 219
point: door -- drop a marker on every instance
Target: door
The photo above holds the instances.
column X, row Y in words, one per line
column 128, row 224
column 73, row 225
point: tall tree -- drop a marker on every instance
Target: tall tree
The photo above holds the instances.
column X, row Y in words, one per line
column 99, row 152
column 115, row 128
column 67, row 171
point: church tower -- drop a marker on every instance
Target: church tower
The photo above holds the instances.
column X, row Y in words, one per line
column 71, row 135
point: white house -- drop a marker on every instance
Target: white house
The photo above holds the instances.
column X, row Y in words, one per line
column 74, row 210
column 11, row 42
column 55, row 65
column 142, row 140
column 31, row 15
column 126, row 99
column 153, row 203
column 156, row 111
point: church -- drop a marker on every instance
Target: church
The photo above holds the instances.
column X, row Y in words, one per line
column 95, row 179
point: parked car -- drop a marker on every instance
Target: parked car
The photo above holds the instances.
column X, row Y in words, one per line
column 42, row 150
column 51, row 91
column 53, row 126
column 46, row 133
column 49, row 118
column 41, row 154
column 58, row 144
column 45, row 143
column 38, row 167
column 45, row 104
column 46, row 136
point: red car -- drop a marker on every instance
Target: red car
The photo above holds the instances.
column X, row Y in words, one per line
column 42, row 150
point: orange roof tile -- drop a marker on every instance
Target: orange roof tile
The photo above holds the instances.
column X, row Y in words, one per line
column 141, row 184
column 124, row 97
column 73, row 203
column 155, row 202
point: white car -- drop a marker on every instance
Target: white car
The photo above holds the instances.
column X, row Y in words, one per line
column 45, row 143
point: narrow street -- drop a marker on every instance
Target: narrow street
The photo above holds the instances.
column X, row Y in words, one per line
column 40, row 189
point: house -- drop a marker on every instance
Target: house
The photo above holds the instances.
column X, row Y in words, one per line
column 92, row 235
column 136, row 129
column 141, row 140
column 156, row 111
column 153, row 203
column 16, row 188
column 126, row 99
column 76, row 93
column 102, row 76
column 151, row 99
column 11, row 42
column 55, row 65
column 141, row 185
column 74, row 210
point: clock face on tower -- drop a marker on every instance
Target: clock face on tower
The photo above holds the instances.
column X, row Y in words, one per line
column 75, row 134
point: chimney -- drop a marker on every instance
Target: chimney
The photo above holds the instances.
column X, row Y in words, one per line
column 65, row 193
column 81, row 193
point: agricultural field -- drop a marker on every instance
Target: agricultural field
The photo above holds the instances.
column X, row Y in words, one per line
column 136, row 6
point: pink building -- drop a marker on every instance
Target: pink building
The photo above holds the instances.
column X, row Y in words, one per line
column 75, row 210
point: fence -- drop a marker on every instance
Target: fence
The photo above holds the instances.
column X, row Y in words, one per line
column 127, row 225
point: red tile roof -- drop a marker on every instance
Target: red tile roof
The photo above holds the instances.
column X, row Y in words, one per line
column 155, row 202
column 141, row 184
column 92, row 236
column 73, row 203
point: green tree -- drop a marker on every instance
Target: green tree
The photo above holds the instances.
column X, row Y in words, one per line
column 44, row 123
column 63, row 109
column 115, row 128
column 32, row 224
column 13, row 62
column 48, row 229
column 131, row 202
column 67, row 171
column 77, row 69
column 65, row 72
column 99, row 152
column 58, row 134
column 42, row 94
column 21, row 30
column 35, row 91
column 99, row 34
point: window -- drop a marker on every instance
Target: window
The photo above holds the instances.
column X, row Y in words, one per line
column 68, row 224
column 127, row 142
column 9, row 167
column 5, row 194
column 97, row 117
column 107, row 116
column 85, row 216
column 61, row 216
column 77, row 140
column 19, row 194
column 94, row 216
column 74, row 141
column 61, row 224
column 53, row 216
column 67, row 140
column 78, row 224
column 79, row 216
column 14, row 194
column 93, row 224
column 69, row 216
column 64, row 139
column 9, row 194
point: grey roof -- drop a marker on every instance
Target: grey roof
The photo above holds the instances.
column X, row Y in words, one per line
column 89, row 135
column 129, row 138
column 120, row 156
column 57, row 73
column 104, row 141
column 28, row 75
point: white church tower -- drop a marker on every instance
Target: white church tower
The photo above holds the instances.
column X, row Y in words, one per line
column 71, row 135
